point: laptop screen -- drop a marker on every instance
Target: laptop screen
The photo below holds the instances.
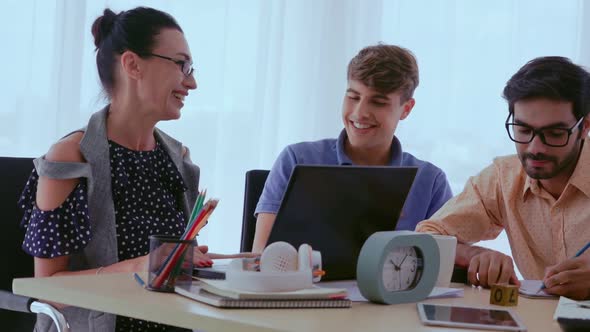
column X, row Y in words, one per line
column 336, row 208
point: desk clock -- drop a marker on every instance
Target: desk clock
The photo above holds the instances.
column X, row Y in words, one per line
column 398, row 267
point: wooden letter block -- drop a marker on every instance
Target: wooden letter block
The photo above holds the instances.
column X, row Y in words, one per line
column 502, row 294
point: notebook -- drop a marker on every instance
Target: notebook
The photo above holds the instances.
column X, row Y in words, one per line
column 197, row 293
column 336, row 208
column 220, row 287
column 532, row 288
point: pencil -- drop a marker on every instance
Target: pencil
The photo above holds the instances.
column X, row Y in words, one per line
column 197, row 206
column 581, row 251
column 196, row 210
column 191, row 233
column 578, row 254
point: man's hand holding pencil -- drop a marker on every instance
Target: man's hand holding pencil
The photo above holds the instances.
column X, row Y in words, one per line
column 570, row 278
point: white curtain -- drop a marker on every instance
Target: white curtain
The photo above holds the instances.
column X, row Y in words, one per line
column 271, row 73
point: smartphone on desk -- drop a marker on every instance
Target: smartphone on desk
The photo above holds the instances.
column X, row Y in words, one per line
column 469, row 317
column 217, row 271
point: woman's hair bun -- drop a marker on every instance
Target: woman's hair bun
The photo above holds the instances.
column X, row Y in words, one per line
column 103, row 26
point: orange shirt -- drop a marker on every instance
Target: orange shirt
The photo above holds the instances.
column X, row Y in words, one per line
column 542, row 230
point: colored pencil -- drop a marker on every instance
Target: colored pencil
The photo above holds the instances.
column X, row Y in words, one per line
column 190, row 234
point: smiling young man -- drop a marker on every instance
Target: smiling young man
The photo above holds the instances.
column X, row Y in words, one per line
column 541, row 196
column 381, row 83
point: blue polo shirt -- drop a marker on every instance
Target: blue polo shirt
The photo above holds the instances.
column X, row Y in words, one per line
column 429, row 191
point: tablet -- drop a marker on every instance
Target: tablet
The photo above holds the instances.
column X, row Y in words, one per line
column 469, row 317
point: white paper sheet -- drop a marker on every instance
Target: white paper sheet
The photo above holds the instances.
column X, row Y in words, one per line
column 354, row 294
column 568, row 308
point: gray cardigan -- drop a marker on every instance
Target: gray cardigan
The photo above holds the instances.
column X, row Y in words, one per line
column 102, row 248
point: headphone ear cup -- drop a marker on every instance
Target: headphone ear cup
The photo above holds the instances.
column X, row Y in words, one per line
column 279, row 257
column 304, row 254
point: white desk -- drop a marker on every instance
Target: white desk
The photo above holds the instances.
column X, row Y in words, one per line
column 120, row 294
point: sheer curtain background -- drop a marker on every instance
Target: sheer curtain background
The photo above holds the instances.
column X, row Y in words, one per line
column 272, row 73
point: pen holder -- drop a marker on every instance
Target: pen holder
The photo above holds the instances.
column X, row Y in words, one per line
column 170, row 262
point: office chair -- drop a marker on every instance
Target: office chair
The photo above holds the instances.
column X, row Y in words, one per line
column 18, row 313
column 255, row 180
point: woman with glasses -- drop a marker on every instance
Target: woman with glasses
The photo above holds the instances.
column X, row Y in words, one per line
column 93, row 200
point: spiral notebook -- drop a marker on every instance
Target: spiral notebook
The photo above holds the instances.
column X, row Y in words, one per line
column 197, row 293
column 222, row 288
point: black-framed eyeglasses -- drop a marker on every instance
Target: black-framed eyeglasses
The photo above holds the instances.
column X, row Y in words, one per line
column 185, row 66
column 555, row 137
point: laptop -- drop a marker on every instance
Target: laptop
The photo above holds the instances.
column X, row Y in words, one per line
column 336, row 208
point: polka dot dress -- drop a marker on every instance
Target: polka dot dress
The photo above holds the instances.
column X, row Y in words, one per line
column 147, row 194
column 58, row 232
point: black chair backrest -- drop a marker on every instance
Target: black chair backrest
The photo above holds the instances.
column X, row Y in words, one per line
column 14, row 173
column 255, row 180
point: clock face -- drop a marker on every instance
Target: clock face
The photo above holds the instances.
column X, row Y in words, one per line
column 401, row 269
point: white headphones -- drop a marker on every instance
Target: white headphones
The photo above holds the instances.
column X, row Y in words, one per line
column 282, row 269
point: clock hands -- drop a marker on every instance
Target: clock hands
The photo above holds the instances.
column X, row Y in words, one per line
column 406, row 256
column 399, row 268
column 395, row 266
